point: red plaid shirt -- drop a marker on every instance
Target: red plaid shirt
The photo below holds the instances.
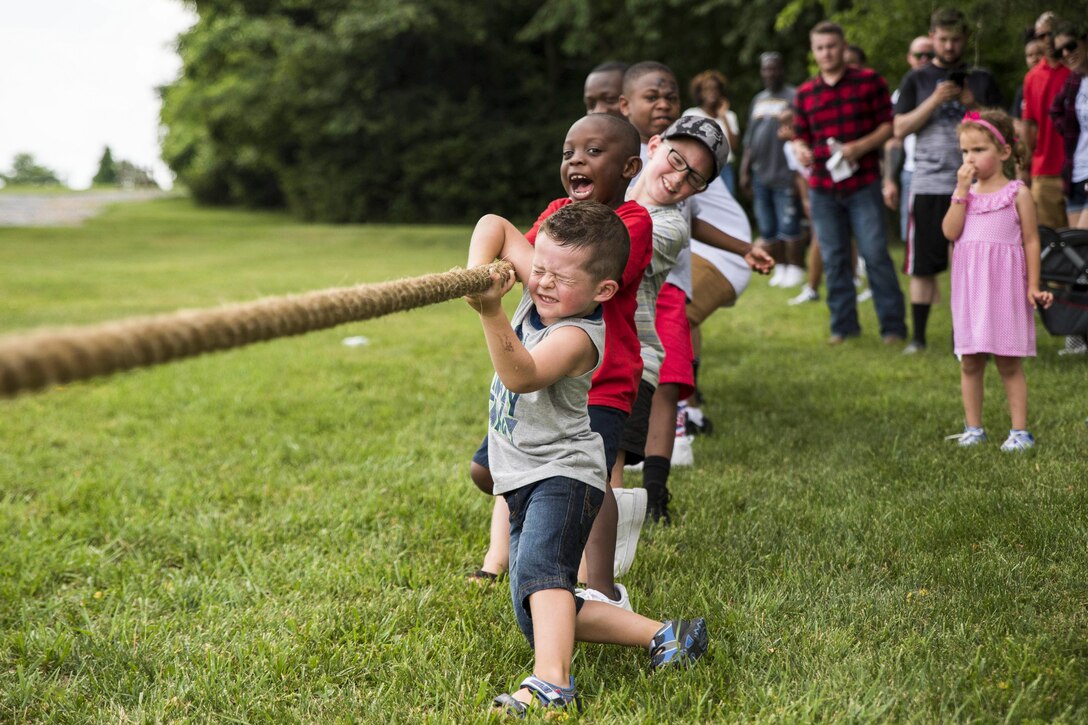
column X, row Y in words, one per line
column 847, row 111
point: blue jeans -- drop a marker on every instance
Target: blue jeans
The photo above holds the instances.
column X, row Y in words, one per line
column 834, row 217
column 729, row 178
column 550, row 522
column 904, row 202
column 778, row 213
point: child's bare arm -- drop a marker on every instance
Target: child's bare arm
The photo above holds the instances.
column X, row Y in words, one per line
column 757, row 258
column 566, row 352
column 952, row 226
column 494, row 237
column 1029, row 231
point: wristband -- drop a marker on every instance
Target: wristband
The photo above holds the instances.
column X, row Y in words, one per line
column 959, row 199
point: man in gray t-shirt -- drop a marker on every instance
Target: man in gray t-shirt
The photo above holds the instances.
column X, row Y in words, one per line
column 767, row 179
column 932, row 101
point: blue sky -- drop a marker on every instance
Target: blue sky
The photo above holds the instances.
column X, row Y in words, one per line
column 78, row 75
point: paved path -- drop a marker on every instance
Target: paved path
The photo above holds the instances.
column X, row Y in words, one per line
column 50, row 210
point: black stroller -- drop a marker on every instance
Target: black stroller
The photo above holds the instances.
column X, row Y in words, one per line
column 1064, row 273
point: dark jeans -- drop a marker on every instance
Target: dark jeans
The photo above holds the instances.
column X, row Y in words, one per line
column 835, row 216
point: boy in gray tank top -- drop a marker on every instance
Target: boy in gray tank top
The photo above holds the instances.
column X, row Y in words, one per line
column 545, row 460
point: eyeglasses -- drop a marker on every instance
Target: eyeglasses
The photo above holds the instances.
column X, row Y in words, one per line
column 1040, row 36
column 1069, row 47
column 677, row 162
column 928, row 55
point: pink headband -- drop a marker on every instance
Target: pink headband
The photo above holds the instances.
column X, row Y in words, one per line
column 973, row 117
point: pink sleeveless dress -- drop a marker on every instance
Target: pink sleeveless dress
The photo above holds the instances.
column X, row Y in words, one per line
column 990, row 308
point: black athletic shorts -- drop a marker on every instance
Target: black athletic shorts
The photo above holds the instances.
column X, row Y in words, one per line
column 633, row 443
column 927, row 247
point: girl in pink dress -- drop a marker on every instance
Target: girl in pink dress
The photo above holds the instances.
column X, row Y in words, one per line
column 995, row 273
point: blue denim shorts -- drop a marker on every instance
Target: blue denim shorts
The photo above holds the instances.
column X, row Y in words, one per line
column 778, row 212
column 605, row 421
column 550, row 522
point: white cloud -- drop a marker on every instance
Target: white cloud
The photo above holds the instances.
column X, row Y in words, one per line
column 79, row 75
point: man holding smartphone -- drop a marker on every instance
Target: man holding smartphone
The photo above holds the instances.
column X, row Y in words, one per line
column 932, row 101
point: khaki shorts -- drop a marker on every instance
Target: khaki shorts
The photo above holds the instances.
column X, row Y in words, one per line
column 710, row 290
column 1049, row 201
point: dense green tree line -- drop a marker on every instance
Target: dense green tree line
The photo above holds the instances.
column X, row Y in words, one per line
column 438, row 110
column 26, row 171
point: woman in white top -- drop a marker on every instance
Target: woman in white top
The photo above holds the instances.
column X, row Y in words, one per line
column 708, row 92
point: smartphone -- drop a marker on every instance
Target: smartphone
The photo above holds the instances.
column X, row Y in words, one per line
column 958, row 77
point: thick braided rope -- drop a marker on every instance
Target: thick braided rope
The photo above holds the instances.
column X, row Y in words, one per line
column 48, row 357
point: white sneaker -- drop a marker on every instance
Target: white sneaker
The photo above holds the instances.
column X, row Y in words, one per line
column 865, row 295
column 682, row 452
column 860, row 271
column 792, row 276
column 633, row 466
column 776, row 276
column 807, row 294
column 1074, row 345
column 592, row 595
column 631, row 503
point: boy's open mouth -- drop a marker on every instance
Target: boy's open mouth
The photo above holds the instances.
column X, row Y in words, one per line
column 581, row 187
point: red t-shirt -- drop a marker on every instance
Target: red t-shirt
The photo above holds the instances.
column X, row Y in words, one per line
column 1041, row 85
column 615, row 383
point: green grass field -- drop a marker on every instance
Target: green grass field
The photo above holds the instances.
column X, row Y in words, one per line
column 281, row 533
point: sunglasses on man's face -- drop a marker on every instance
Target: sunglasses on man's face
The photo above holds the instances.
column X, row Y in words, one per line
column 1069, row 47
column 928, row 55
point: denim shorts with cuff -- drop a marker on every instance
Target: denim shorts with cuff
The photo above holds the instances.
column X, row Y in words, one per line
column 550, row 522
column 778, row 212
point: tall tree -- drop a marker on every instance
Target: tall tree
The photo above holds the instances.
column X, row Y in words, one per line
column 107, row 170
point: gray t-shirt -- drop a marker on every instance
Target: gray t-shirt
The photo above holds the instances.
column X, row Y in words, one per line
column 937, row 154
column 672, row 232
column 535, row 436
column 761, row 138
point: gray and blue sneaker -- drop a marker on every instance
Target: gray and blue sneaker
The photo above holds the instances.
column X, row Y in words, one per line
column 971, row 436
column 1018, row 440
column 679, row 643
column 547, row 695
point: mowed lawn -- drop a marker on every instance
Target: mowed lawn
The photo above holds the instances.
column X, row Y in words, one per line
column 281, row 533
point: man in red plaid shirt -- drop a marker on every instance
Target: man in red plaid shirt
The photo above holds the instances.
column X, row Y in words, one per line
column 843, row 116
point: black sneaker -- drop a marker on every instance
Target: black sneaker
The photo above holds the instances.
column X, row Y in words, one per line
column 696, row 423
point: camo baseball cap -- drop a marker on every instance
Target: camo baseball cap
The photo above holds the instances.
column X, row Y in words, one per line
column 705, row 130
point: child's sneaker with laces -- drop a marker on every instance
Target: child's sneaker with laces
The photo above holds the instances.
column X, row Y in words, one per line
column 679, row 643
column 1018, row 440
column 971, row 436
column 696, row 422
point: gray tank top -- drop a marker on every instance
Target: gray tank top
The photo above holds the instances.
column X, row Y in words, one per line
column 534, row 436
